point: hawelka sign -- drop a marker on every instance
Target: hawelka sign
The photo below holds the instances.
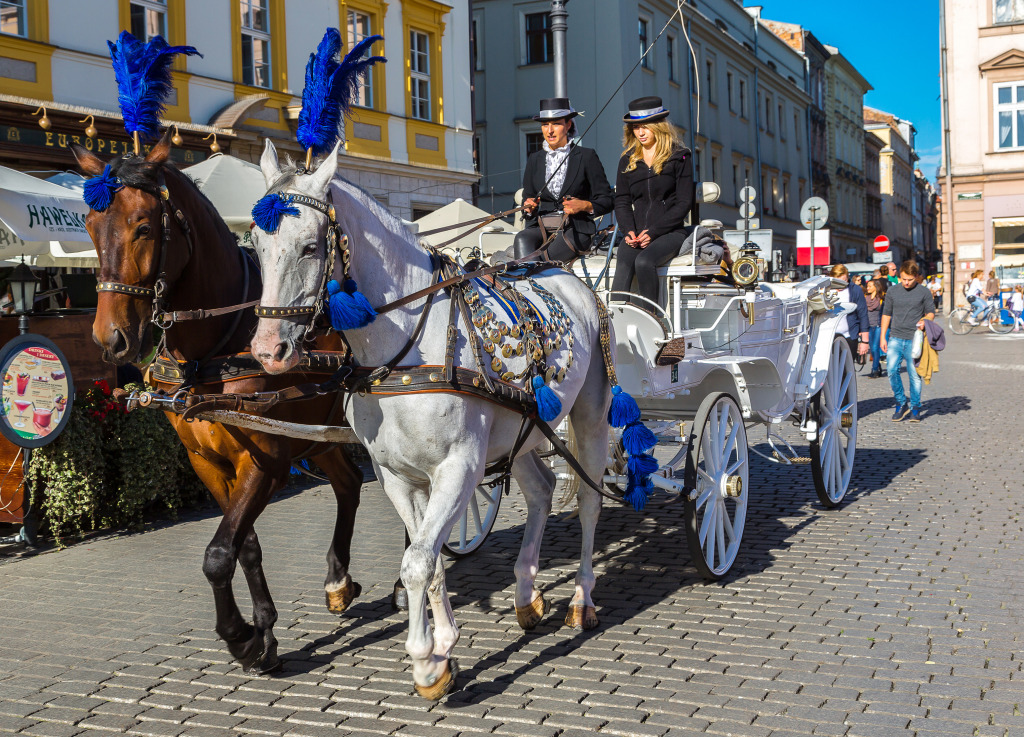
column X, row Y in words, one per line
column 38, row 391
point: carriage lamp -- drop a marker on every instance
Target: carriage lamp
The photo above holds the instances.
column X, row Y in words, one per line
column 44, row 122
column 745, row 269
column 23, row 284
column 90, row 130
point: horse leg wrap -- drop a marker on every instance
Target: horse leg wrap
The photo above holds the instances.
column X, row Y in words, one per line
column 581, row 617
column 529, row 616
column 340, row 596
column 443, row 685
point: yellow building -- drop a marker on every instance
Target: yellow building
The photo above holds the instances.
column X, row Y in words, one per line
column 409, row 142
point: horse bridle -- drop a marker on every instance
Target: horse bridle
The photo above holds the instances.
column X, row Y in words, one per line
column 336, row 240
column 157, row 293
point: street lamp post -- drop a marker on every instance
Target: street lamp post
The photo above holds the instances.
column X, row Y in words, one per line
column 23, row 291
column 559, row 25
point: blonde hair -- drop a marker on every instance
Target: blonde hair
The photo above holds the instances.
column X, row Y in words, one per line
column 666, row 141
column 839, row 271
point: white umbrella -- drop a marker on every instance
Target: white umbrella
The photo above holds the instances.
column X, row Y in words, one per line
column 233, row 187
column 37, row 211
column 496, row 235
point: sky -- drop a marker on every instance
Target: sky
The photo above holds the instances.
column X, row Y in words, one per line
column 894, row 44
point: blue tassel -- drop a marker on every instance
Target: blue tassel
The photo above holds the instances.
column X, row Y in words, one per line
column 637, row 493
column 269, row 209
column 99, row 190
column 349, row 307
column 636, row 438
column 624, row 409
column 549, row 406
column 642, row 464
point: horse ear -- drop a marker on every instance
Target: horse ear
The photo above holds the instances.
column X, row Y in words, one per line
column 325, row 172
column 87, row 162
column 161, row 151
column 268, row 163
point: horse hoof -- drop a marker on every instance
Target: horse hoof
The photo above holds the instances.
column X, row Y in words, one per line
column 339, row 599
column 400, row 599
column 443, row 685
column 264, row 666
column 529, row 616
column 581, row 618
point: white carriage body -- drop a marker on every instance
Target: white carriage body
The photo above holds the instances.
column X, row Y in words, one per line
column 768, row 347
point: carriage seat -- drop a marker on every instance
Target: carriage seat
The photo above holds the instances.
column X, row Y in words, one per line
column 782, row 291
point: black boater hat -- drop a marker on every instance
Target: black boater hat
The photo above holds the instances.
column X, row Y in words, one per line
column 555, row 108
column 645, row 110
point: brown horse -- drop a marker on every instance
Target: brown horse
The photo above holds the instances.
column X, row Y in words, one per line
column 204, row 268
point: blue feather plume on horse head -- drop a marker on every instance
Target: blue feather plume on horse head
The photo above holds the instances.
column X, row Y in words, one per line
column 330, row 89
column 143, row 74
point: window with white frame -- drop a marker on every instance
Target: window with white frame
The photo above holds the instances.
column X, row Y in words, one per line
column 1009, row 115
column 419, row 74
column 1008, row 11
column 534, row 143
column 645, row 40
column 12, row 18
column 148, row 18
column 255, row 42
column 360, row 26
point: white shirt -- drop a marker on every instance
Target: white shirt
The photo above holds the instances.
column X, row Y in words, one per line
column 843, row 323
column 1017, row 302
column 555, row 167
column 975, row 288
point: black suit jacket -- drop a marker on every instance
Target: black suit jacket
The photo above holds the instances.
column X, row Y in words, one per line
column 657, row 203
column 584, row 180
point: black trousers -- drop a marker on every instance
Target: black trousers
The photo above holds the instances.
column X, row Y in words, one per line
column 643, row 263
column 529, row 239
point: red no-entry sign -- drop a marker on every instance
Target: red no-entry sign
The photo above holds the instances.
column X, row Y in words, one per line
column 881, row 244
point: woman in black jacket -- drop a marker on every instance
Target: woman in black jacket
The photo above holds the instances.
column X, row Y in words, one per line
column 562, row 177
column 653, row 195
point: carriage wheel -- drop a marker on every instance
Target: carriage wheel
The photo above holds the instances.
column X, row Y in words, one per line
column 835, row 408
column 476, row 522
column 717, row 472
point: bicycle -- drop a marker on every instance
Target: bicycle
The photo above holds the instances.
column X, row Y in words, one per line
column 998, row 318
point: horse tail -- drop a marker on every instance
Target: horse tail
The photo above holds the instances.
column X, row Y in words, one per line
column 637, row 439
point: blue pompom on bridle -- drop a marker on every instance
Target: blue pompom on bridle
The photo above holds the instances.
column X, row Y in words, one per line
column 100, row 190
column 269, row 209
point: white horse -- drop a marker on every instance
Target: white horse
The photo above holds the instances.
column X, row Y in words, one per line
column 430, row 450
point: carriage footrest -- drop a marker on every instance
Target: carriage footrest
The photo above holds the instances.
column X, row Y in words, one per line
column 798, row 460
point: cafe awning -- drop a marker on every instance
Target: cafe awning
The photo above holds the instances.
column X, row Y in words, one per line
column 1008, row 260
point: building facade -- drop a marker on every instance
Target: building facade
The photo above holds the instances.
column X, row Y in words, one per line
column 409, row 142
column 750, row 124
column 985, row 89
column 896, row 178
column 872, row 186
column 845, row 90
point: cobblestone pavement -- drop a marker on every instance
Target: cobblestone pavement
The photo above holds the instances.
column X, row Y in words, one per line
column 898, row 614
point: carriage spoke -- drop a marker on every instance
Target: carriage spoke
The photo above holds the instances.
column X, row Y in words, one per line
column 735, row 467
column 729, row 528
column 723, row 426
column 720, row 531
column 707, row 450
column 706, row 476
column 462, row 530
column 709, row 542
column 476, row 514
column 730, row 444
column 709, row 518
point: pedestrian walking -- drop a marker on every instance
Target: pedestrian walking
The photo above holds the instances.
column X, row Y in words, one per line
column 890, row 271
column 904, row 311
column 992, row 286
column 874, row 295
column 1017, row 307
column 854, row 325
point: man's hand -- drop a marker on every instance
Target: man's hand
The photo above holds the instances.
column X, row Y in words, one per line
column 530, row 204
column 885, row 345
column 862, row 346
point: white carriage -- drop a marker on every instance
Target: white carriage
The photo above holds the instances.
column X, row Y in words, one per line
column 765, row 354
